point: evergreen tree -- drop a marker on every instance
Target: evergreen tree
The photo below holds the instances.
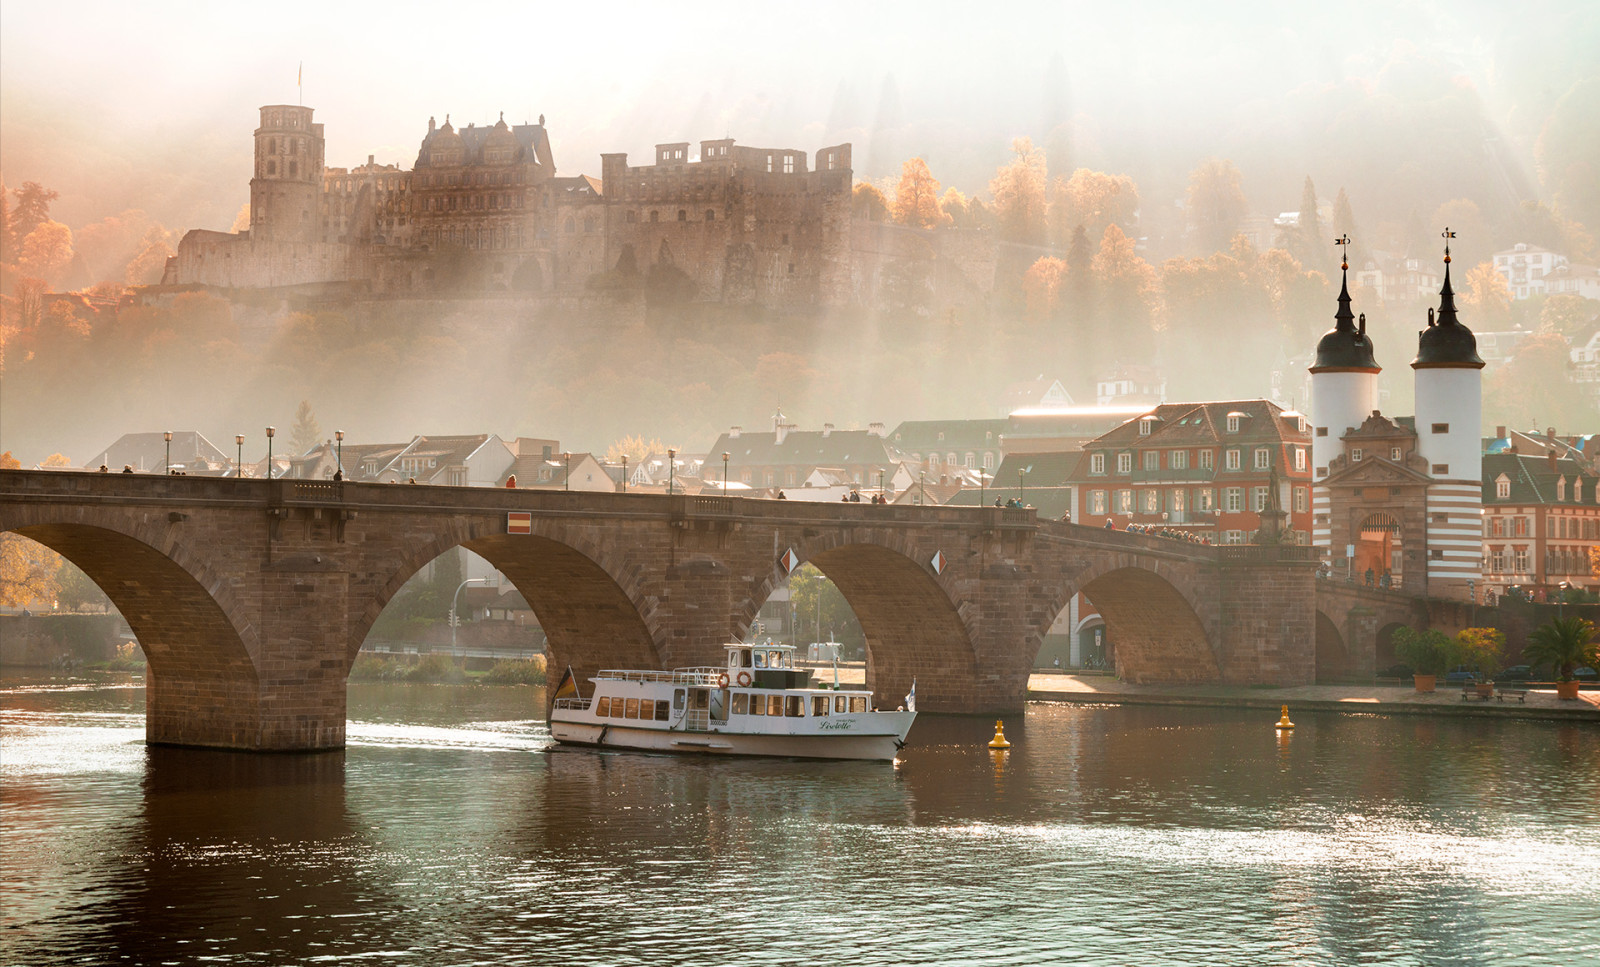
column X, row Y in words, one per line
column 1344, row 223
column 306, row 433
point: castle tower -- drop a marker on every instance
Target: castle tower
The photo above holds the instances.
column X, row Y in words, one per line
column 1344, row 392
column 1449, row 390
column 286, row 192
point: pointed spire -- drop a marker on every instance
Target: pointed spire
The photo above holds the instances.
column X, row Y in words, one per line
column 1345, row 347
column 1446, row 342
column 1447, row 295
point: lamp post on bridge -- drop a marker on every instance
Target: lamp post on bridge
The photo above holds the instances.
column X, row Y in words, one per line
column 566, row 479
column 270, row 431
column 238, row 466
column 338, row 443
column 167, row 468
column 724, row 473
column 453, row 599
column 672, row 469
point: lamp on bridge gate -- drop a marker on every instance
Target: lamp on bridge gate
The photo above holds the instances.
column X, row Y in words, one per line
column 724, row 473
column 270, row 431
column 167, row 469
column 338, row 443
column 566, row 481
column 672, row 466
column 238, row 466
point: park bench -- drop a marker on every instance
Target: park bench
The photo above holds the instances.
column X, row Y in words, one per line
column 1470, row 693
column 1504, row 694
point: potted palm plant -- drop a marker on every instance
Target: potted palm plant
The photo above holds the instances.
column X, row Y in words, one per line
column 1427, row 652
column 1565, row 643
column 1482, row 649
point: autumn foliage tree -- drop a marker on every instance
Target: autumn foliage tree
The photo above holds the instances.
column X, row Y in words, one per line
column 868, row 203
column 1488, row 297
column 1215, row 203
column 1040, row 285
column 916, row 199
column 1018, row 188
column 634, row 447
column 1092, row 199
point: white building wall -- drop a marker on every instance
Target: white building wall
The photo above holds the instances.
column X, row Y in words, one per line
column 1449, row 415
column 1340, row 401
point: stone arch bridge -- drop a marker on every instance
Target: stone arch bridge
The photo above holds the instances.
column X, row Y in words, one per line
column 251, row 598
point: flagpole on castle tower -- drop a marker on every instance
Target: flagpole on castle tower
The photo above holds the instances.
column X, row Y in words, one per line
column 300, row 82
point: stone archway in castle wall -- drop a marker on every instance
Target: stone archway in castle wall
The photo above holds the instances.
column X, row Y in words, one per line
column 200, row 678
column 1333, row 656
column 1156, row 634
column 912, row 628
column 589, row 621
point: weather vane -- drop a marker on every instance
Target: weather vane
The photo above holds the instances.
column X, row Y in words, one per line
column 1447, row 235
column 1343, row 242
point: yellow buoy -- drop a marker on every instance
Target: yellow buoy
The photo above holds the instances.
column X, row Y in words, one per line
column 1283, row 720
column 999, row 740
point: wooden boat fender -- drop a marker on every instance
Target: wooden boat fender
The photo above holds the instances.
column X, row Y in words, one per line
column 744, row 679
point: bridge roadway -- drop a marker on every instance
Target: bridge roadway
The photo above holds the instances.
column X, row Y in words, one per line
column 251, row 598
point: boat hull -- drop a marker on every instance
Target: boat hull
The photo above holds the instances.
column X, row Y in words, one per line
column 882, row 746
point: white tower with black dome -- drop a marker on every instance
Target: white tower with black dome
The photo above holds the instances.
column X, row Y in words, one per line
column 1449, row 393
column 1344, row 392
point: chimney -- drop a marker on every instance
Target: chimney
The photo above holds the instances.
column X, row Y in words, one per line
column 827, row 428
column 875, row 429
column 1550, row 458
column 733, row 434
column 1500, row 432
column 1550, row 433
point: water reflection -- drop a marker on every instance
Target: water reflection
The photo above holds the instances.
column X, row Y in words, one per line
column 451, row 831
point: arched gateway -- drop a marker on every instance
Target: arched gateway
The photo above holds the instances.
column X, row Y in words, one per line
column 252, row 597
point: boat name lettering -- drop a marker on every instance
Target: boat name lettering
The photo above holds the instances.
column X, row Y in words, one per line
column 837, row 724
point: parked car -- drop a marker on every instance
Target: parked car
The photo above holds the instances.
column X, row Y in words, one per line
column 1586, row 674
column 1460, row 676
column 1516, row 673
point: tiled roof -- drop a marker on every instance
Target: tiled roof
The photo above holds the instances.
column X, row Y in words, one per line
column 1188, row 424
column 804, row 448
column 1536, row 479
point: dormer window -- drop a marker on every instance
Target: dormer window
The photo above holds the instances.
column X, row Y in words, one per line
column 1145, row 425
column 1233, row 422
column 1355, row 454
column 1502, row 487
column 1561, row 488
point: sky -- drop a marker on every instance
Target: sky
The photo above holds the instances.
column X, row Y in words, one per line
column 91, row 88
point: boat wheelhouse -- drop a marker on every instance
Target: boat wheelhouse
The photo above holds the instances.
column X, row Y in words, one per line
column 757, row 703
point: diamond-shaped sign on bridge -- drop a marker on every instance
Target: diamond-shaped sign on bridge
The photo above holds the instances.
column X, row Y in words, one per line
column 790, row 560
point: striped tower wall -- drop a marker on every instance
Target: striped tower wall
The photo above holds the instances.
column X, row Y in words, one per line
column 1449, row 418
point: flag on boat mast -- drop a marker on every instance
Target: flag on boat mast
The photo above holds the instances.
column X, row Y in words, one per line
column 911, row 697
column 567, row 688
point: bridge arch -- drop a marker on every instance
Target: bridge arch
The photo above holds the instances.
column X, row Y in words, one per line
column 1333, row 656
column 913, row 629
column 591, row 619
column 197, row 639
column 1158, row 633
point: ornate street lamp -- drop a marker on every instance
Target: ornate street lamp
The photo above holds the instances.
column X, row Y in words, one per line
column 672, row 468
column 270, row 431
column 167, row 436
column 338, row 442
column 238, row 466
column 724, row 473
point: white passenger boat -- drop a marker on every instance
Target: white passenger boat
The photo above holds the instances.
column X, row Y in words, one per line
column 759, row 703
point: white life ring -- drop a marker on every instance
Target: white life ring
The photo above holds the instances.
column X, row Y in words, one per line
column 744, row 679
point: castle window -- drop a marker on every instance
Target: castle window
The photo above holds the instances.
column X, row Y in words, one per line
column 294, row 169
column 683, row 216
column 655, row 216
column 272, row 167
column 788, row 164
column 632, row 217
column 570, row 226
column 711, row 215
column 769, row 164
column 588, row 224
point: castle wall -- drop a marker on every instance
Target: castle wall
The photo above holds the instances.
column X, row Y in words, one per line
column 244, row 262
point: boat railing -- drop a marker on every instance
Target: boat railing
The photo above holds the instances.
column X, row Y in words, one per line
column 576, row 704
column 700, row 675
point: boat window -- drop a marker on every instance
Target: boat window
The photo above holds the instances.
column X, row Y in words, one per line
column 839, row 702
column 741, row 703
column 774, row 704
column 616, row 708
column 746, row 655
column 761, row 660
column 758, row 705
column 775, row 659
column 633, row 709
column 663, row 712
column 602, row 707
column 858, row 703
column 796, row 706
column 701, row 698
column 819, row 705
column 677, row 698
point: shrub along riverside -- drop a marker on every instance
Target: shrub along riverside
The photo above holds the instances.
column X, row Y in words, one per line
column 441, row 668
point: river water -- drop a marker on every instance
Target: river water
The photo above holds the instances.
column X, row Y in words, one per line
column 451, row 832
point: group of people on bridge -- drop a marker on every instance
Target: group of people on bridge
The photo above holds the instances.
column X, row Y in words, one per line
column 1171, row 533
